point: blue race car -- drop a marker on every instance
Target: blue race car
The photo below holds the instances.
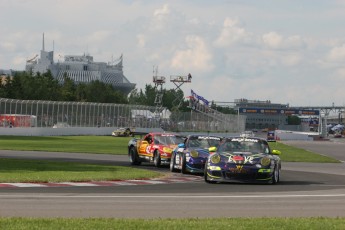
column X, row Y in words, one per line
column 191, row 155
column 242, row 159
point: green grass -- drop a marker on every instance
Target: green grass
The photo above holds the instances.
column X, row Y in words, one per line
column 118, row 146
column 73, row 144
column 15, row 170
column 293, row 154
column 173, row 224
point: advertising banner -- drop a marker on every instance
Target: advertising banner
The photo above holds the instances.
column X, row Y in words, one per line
column 286, row 112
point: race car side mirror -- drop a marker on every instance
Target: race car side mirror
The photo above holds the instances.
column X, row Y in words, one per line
column 276, row 152
column 181, row 145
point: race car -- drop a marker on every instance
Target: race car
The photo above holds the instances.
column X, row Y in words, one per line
column 153, row 147
column 190, row 156
column 123, row 132
column 241, row 159
column 271, row 136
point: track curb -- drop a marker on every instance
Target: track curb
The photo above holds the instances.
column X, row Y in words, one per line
column 169, row 180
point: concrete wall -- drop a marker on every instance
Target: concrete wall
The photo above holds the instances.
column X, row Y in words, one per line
column 289, row 135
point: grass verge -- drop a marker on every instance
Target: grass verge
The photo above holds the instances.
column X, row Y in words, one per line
column 72, row 144
column 158, row 224
column 293, row 154
column 15, row 170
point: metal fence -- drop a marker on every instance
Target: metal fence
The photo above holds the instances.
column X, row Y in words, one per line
column 59, row 114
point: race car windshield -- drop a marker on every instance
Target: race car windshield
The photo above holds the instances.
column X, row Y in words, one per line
column 168, row 139
column 251, row 146
column 199, row 142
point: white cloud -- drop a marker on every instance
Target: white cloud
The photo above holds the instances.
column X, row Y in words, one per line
column 162, row 12
column 195, row 58
column 272, row 40
column 231, row 33
column 340, row 75
column 141, row 40
column 8, row 46
column 337, row 54
column 165, row 17
column 291, row 60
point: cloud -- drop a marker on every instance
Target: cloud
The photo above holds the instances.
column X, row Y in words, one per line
column 141, row 38
column 274, row 40
column 8, row 46
column 162, row 12
column 337, row 54
column 196, row 57
column 291, row 59
column 166, row 18
column 231, row 33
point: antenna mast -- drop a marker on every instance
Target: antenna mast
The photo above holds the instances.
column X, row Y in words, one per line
column 43, row 43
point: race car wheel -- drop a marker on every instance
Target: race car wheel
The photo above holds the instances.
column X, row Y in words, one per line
column 157, row 159
column 133, row 156
column 183, row 164
column 206, row 177
column 275, row 175
column 172, row 163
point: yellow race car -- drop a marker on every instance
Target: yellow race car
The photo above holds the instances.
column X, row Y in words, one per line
column 123, row 132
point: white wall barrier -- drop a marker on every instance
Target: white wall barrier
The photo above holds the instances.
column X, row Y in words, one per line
column 289, row 135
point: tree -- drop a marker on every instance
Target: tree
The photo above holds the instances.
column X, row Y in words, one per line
column 68, row 89
column 294, row 120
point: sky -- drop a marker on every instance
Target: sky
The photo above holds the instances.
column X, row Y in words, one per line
column 286, row 51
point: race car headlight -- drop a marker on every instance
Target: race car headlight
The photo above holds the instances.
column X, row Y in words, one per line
column 194, row 153
column 265, row 161
column 215, row 159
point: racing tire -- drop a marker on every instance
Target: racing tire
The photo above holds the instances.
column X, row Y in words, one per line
column 206, row 177
column 133, row 156
column 157, row 159
column 275, row 175
column 172, row 163
column 183, row 164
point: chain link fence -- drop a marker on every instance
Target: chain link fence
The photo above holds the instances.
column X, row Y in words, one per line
column 59, row 114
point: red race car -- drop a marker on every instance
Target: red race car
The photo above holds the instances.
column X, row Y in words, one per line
column 153, row 147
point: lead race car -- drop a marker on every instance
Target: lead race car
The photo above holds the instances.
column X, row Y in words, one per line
column 241, row 159
column 153, row 147
column 191, row 155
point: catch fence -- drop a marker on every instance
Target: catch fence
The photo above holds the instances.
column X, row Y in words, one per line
column 59, row 114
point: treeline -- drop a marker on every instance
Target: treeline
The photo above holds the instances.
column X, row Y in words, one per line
column 26, row 86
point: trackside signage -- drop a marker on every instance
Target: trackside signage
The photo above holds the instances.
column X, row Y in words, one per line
column 279, row 111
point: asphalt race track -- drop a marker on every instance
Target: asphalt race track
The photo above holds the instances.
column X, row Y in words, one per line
column 305, row 190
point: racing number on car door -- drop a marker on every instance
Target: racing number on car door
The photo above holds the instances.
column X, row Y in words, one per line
column 143, row 146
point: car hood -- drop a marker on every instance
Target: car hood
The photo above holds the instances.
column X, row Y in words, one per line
column 202, row 152
column 242, row 157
